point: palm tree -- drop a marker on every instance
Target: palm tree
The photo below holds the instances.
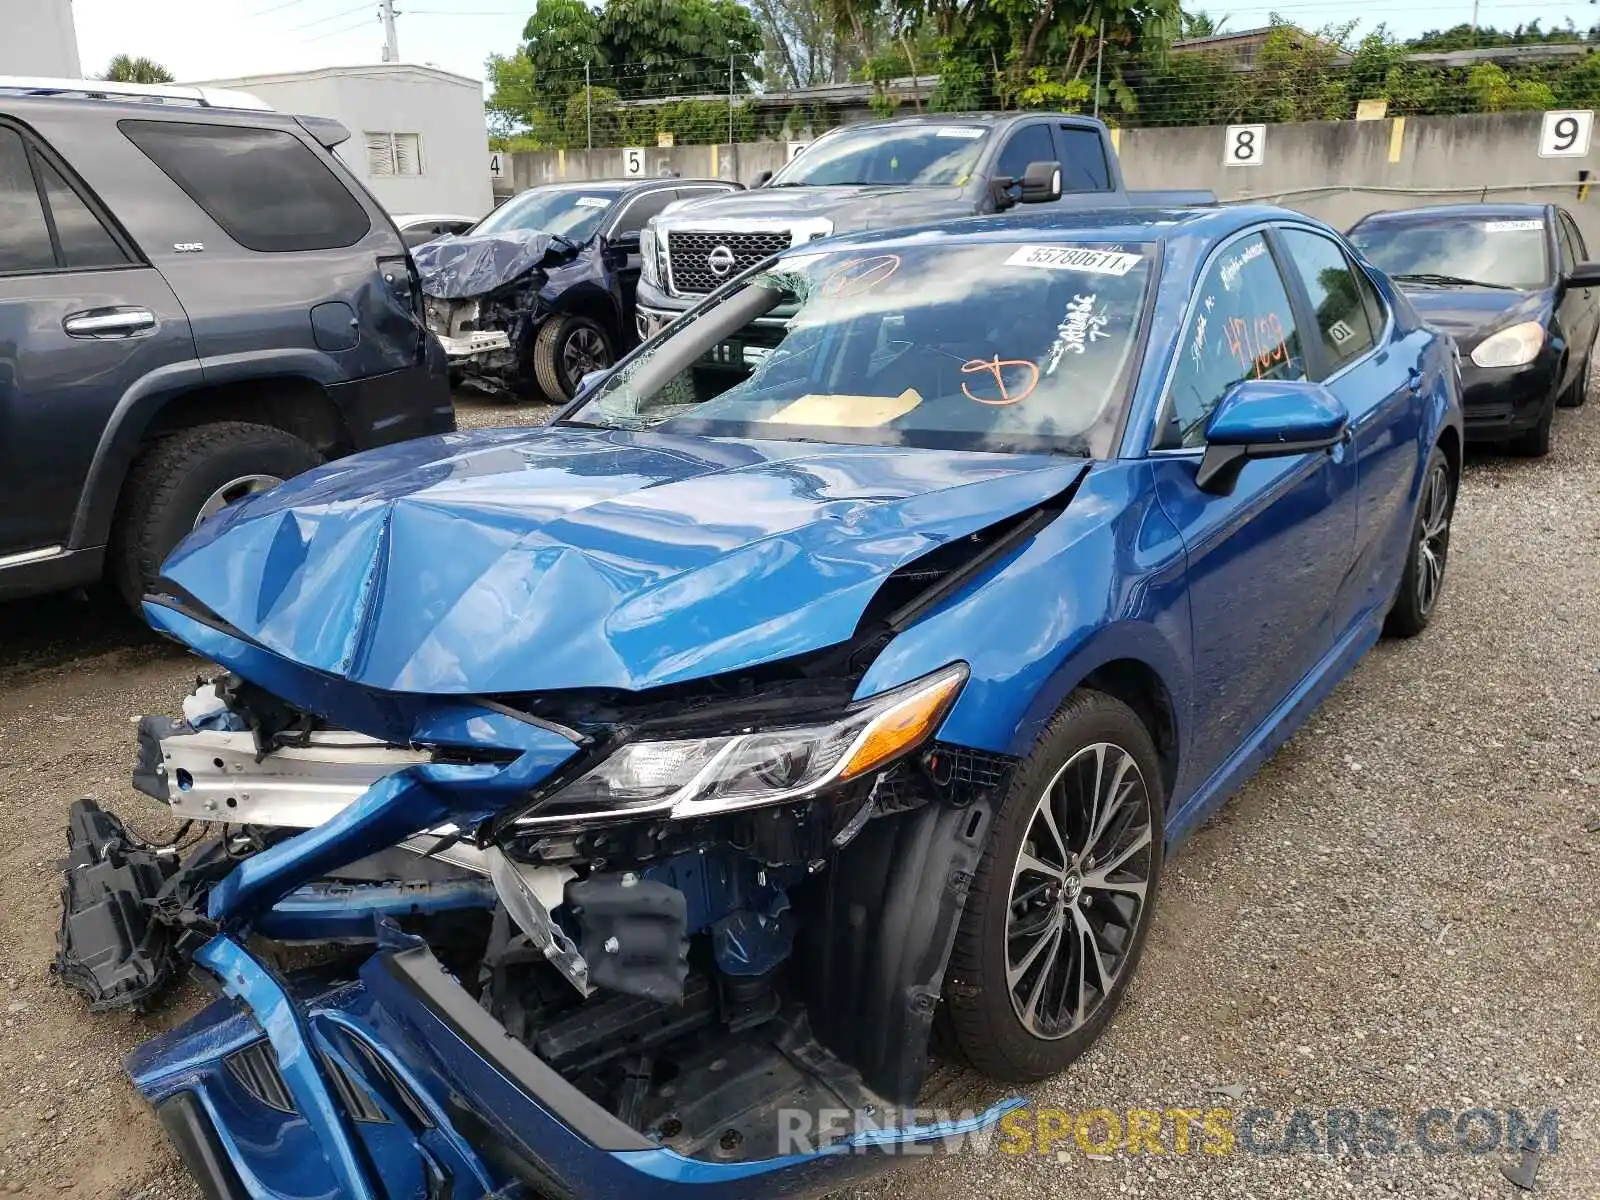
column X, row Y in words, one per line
column 124, row 69
column 1199, row 25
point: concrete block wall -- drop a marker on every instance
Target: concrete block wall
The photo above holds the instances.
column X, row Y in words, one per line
column 1335, row 170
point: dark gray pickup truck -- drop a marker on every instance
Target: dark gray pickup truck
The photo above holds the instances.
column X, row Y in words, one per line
column 907, row 171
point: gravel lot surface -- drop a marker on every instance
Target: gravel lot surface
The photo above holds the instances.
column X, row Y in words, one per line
column 1397, row 912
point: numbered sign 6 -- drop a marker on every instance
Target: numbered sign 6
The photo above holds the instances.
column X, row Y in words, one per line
column 1566, row 134
column 633, row 161
column 1243, row 145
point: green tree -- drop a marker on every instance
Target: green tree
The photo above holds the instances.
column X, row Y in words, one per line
column 1492, row 90
column 679, row 47
column 125, row 69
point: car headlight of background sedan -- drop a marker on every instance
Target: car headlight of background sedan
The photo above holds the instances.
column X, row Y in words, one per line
column 1514, row 346
column 701, row 776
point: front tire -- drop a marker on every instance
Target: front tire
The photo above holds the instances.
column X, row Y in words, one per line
column 566, row 349
column 1535, row 441
column 1422, row 580
column 187, row 477
column 1577, row 395
column 1062, row 898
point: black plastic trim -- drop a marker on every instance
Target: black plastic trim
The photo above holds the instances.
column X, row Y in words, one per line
column 190, row 1131
column 418, row 972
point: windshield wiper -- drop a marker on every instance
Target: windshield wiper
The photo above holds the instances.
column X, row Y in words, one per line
column 1449, row 280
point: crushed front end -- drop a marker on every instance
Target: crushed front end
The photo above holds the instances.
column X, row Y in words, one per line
column 565, row 944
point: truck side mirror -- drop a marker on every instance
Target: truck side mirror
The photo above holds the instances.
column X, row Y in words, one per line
column 1041, row 183
column 761, row 179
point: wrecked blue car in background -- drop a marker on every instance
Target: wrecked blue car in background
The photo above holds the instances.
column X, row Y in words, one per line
column 540, row 292
column 619, row 807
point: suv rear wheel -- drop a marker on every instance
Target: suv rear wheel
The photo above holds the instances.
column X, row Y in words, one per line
column 187, row 477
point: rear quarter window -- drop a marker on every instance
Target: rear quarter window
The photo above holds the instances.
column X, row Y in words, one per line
column 266, row 188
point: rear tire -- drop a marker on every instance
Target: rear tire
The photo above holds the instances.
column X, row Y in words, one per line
column 1422, row 581
column 1577, row 395
column 1535, row 442
column 1022, row 1002
column 177, row 476
column 565, row 350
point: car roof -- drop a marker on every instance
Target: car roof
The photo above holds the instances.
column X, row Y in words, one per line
column 407, row 218
column 1455, row 211
column 966, row 118
column 620, row 186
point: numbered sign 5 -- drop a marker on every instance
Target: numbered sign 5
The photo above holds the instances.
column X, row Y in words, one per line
column 1243, row 145
column 794, row 150
column 1566, row 134
column 633, row 161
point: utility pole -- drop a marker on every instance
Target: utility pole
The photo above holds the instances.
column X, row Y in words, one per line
column 588, row 103
column 1474, row 21
column 1099, row 55
column 730, row 95
column 391, row 43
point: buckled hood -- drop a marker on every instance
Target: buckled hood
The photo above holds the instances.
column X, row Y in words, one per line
column 454, row 268
column 525, row 560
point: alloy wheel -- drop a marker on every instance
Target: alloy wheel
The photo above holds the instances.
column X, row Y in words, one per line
column 232, row 492
column 585, row 351
column 1078, row 891
column 1433, row 537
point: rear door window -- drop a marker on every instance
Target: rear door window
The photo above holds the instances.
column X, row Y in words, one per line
column 637, row 210
column 1083, row 160
column 264, row 187
column 85, row 242
column 1335, row 295
column 24, row 234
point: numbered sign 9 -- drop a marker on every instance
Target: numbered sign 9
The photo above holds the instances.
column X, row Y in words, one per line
column 633, row 161
column 1243, row 145
column 1566, row 134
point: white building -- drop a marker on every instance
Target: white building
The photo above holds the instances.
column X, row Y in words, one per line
column 417, row 134
column 40, row 39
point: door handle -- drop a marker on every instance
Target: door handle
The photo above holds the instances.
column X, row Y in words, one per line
column 110, row 323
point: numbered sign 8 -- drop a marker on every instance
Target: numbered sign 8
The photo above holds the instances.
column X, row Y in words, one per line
column 1566, row 134
column 1243, row 145
column 633, row 161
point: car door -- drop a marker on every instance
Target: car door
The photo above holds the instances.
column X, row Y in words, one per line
column 83, row 319
column 1379, row 381
column 1028, row 143
column 1580, row 307
column 632, row 215
column 1264, row 562
column 1082, row 155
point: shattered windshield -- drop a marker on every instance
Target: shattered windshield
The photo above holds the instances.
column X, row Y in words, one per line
column 984, row 346
column 572, row 213
column 1503, row 252
column 925, row 155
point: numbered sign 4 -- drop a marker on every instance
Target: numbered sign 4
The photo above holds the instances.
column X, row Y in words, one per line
column 633, row 161
column 1566, row 134
column 497, row 168
column 1243, row 145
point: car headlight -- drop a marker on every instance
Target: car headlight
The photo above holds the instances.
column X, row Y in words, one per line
column 1515, row 346
column 698, row 776
column 649, row 269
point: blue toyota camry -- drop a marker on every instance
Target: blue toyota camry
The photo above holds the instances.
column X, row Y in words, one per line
column 843, row 662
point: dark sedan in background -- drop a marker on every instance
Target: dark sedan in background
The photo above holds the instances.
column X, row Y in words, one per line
column 1511, row 283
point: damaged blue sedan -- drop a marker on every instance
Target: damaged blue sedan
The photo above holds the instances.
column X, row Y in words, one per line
column 620, row 807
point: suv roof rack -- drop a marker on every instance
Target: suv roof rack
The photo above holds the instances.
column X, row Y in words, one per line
column 152, row 93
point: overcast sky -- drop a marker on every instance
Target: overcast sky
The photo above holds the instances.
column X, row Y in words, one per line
column 213, row 39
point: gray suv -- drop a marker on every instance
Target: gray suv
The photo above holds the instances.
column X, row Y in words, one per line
column 197, row 301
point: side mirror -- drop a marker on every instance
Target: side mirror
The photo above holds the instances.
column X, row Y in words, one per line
column 761, row 179
column 1263, row 418
column 1584, row 274
column 1041, row 183
column 626, row 242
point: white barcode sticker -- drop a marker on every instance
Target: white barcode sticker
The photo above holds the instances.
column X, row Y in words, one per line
column 958, row 131
column 1075, row 258
column 1511, row 226
column 592, row 202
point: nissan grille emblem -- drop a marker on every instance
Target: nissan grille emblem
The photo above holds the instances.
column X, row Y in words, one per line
column 721, row 261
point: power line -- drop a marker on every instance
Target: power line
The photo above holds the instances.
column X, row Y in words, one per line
column 336, row 32
column 261, row 12
column 330, row 17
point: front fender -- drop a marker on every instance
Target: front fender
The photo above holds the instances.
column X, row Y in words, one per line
column 1103, row 582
